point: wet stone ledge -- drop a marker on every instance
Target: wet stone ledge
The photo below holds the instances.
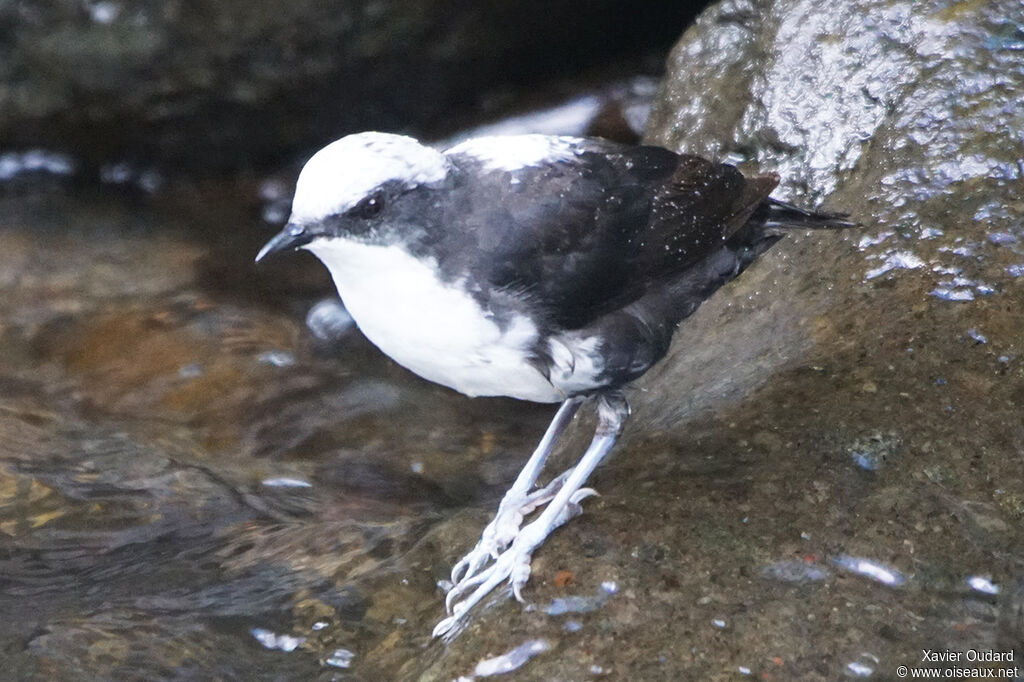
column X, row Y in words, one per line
column 214, row 85
column 824, row 476
column 821, row 480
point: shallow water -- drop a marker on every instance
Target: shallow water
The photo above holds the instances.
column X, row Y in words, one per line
column 182, row 463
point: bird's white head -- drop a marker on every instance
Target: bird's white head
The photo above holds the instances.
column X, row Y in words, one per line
column 343, row 189
column 348, row 170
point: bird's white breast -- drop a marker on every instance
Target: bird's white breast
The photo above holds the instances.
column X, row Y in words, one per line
column 434, row 329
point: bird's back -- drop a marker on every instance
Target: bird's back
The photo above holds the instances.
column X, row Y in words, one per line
column 589, row 232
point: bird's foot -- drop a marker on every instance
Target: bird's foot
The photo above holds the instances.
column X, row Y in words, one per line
column 504, row 527
column 513, row 564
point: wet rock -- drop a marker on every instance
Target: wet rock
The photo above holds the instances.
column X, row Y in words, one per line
column 618, row 111
column 220, row 84
column 180, row 464
column 839, row 105
column 903, row 114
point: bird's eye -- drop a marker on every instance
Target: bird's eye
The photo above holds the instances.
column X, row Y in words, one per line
column 369, row 207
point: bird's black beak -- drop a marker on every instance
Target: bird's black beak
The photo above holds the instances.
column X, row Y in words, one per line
column 291, row 237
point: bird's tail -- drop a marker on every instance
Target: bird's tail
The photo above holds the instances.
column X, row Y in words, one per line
column 778, row 215
column 771, row 221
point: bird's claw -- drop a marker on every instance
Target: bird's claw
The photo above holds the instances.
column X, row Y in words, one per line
column 450, row 625
column 574, row 508
column 498, row 535
column 470, row 564
column 504, row 527
column 519, row 576
column 512, row 564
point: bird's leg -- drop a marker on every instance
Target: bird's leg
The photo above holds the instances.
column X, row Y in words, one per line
column 514, row 563
column 518, row 501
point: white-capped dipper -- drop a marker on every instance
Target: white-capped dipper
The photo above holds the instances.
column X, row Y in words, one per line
column 551, row 269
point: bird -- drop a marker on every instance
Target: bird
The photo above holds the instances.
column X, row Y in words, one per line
column 550, row 269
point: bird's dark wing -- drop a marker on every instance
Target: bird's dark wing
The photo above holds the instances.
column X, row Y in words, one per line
column 702, row 205
column 585, row 234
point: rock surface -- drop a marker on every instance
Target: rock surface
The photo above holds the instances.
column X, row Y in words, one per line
column 823, row 479
column 219, row 84
column 900, row 114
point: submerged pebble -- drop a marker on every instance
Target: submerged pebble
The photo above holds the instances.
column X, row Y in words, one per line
column 285, row 482
column 976, row 335
column 982, row 584
column 868, row 241
column 15, row 164
column 270, row 640
column 148, row 180
column 575, row 604
column 511, row 660
column 276, row 358
column 870, row 569
column 873, row 451
column 948, row 294
column 341, row 658
column 863, row 666
column 1002, row 238
column 328, row 320
column 895, row 260
column 190, row 371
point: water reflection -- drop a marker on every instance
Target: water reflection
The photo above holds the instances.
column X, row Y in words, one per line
column 180, row 469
